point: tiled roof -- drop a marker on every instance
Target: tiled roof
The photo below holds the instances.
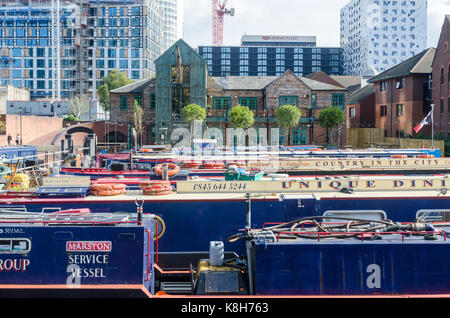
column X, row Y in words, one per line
column 418, row 64
column 261, row 82
column 244, row 82
column 136, row 87
column 360, row 94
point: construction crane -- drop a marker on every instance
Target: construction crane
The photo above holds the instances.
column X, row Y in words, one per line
column 218, row 12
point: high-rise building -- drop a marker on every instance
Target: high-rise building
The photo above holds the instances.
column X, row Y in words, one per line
column 171, row 21
column 96, row 36
column 272, row 55
column 378, row 34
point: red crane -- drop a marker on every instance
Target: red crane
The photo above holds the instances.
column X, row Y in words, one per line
column 218, row 12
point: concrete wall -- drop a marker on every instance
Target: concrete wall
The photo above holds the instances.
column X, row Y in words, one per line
column 9, row 92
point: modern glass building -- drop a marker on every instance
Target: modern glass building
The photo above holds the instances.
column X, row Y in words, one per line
column 97, row 36
column 270, row 61
column 378, row 34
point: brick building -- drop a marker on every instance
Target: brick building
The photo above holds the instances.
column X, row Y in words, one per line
column 262, row 94
column 403, row 95
column 265, row 94
column 361, row 108
column 441, row 81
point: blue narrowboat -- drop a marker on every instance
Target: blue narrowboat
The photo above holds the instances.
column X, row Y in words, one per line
column 76, row 254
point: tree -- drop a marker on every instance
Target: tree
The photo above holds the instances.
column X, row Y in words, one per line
column 78, row 105
column 138, row 119
column 115, row 79
column 331, row 118
column 241, row 117
column 192, row 113
column 288, row 117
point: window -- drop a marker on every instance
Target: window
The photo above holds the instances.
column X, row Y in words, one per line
column 442, row 76
column 400, row 109
column 14, row 246
column 352, row 112
column 123, row 102
column 152, row 101
column 400, row 83
column 442, row 106
column 383, row 111
column 221, row 103
column 288, row 100
column 338, row 100
column 383, row 86
column 314, row 100
column 250, row 102
column 138, row 99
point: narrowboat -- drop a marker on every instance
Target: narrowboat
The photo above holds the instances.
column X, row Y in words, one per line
column 330, row 257
column 205, row 210
column 76, row 253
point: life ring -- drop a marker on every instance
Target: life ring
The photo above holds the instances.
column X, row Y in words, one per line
column 108, row 189
column 213, row 165
column 145, row 150
column 399, row 156
column 156, row 187
column 192, row 165
column 173, row 169
column 237, row 164
column 425, row 156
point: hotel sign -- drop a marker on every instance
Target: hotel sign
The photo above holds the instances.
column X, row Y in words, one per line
column 350, row 164
column 311, row 185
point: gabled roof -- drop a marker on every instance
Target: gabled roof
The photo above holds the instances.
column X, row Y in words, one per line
column 134, row 88
column 418, row 64
column 323, row 77
column 261, row 82
column 360, row 94
column 244, row 82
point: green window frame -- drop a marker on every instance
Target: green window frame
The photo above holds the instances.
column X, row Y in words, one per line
column 250, row 102
column 338, row 100
column 152, row 101
column 123, row 105
column 313, row 100
column 222, row 103
column 288, row 100
column 138, row 99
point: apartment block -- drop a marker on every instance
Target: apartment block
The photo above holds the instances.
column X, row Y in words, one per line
column 378, row 34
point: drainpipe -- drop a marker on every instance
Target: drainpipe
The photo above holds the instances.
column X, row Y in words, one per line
column 390, row 99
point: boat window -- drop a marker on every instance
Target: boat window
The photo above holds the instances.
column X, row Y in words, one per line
column 15, row 246
column 370, row 215
column 433, row 215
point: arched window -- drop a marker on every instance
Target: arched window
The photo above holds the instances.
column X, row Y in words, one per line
column 448, row 73
column 442, row 76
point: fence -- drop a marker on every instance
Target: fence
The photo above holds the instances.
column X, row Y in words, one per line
column 361, row 138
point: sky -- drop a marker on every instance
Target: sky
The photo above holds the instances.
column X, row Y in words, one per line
column 318, row 18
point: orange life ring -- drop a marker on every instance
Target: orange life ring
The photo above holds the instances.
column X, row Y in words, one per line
column 108, row 186
column 145, row 150
column 213, row 165
column 108, row 189
column 192, row 165
column 173, row 169
column 399, row 156
column 156, row 187
column 425, row 156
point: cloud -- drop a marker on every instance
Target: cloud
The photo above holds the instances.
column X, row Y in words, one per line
column 320, row 18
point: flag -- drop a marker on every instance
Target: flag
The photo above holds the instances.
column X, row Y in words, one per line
column 426, row 121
